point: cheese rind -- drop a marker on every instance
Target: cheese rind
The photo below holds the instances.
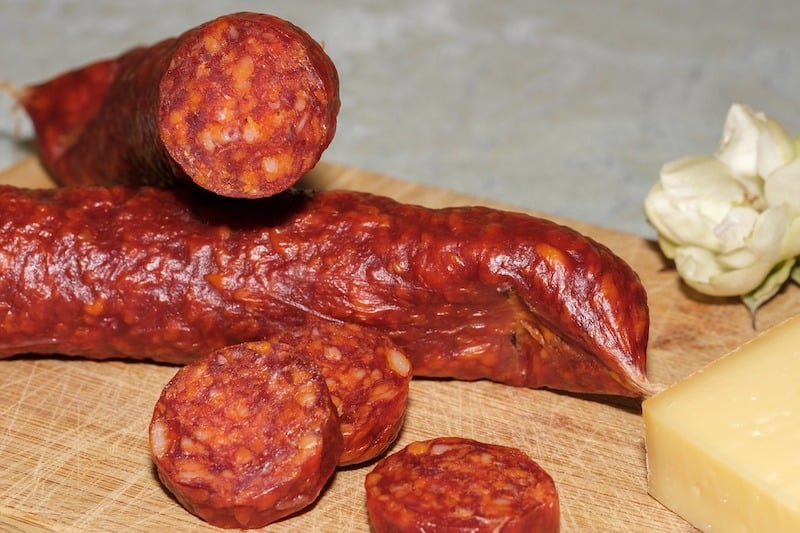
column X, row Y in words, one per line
column 723, row 445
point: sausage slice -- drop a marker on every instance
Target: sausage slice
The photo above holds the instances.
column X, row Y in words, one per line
column 246, row 435
column 458, row 484
column 368, row 378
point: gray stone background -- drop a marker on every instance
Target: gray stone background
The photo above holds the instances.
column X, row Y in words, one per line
column 567, row 108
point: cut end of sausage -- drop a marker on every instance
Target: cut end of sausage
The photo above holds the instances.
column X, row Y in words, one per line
column 248, row 104
column 246, row 435
column 459, row 484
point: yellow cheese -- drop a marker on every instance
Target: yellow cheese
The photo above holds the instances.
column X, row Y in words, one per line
column 723, row 445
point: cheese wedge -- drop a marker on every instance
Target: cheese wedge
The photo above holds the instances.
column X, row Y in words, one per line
column 723, row 445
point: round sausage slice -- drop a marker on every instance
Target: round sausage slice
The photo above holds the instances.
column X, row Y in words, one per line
column 368, row 378
column 246, row 435
column 457, row 484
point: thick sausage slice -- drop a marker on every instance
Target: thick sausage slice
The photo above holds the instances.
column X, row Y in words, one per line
column 246, row 435
column 457, row 484
column 242, row 105
column 368, row 378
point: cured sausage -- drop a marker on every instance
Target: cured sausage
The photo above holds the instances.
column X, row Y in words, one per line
column 368, row 378
column 246, row 435
column 458, row 484
column 242, row 105
column 464, row 292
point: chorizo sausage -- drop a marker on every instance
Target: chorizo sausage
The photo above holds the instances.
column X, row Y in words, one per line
column 242, row 105
column 459, row 484
column 465, row 292
column 246, row 435
column 368, row 378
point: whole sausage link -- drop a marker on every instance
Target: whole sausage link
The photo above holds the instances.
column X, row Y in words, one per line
column 242, row 105
column 465, row 292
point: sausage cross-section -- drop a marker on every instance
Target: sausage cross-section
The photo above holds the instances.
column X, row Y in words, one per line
column 459, row 484
column 246, row 435
column 368, row 378
column 242, row 105
column 464, row 292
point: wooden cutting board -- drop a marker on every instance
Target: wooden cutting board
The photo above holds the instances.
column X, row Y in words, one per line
column 73, row 433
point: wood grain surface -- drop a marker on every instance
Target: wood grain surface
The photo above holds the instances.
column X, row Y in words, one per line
column 73, row 433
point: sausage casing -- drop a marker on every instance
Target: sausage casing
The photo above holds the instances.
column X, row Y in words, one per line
column 465, row 292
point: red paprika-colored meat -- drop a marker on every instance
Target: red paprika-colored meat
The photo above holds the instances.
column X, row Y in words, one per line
column 242, row 105
column 464, row 292
column 458, row 484
column 246, row 435
column 367, row 376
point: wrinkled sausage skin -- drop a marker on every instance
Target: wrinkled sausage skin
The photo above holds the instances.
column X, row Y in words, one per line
column 246, row 434
column 459, row 484
column 465, row 292
column 242, row 105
